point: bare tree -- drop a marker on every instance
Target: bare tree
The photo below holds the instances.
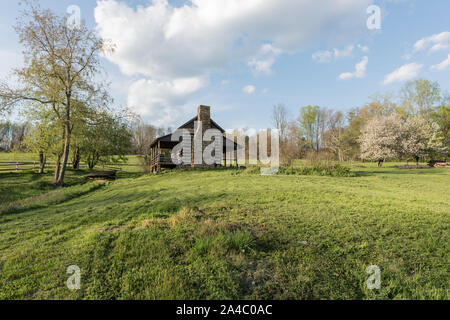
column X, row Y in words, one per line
column 143, row 136
column 334, row 137
column 280, row 120
column 12, row 135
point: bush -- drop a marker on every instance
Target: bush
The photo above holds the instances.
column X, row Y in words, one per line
column 145, row 163
column 318, row 169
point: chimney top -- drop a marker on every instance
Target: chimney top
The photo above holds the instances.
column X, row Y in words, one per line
column 204, row 115
column 202, row 107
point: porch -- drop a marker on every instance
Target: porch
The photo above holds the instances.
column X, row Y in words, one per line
column 161, row 155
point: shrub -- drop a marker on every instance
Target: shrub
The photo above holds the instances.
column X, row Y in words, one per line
column 145, row 163
column 318, row 169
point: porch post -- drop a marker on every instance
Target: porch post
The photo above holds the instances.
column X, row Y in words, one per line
column 159, row 155
column 225, row 159
column 152, row 157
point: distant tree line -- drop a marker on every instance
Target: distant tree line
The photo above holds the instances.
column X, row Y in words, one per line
column 69, row 114
column 11, row 135
column 106, row 141
column 415, row 127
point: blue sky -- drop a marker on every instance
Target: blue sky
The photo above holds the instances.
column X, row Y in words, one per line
column 243, row 57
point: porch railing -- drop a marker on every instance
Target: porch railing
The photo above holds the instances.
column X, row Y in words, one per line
column 161, row 160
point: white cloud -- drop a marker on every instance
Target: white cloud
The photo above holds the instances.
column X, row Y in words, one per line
column 346, row 52
column 323, row 56
column 335, row 54
column 157, row 101
column 434, row 43
column 162, row 42
column 360, row 70
column 406, row 72
column 262, row 63
column 249, row 89
column 363, row 48
column 443, row 65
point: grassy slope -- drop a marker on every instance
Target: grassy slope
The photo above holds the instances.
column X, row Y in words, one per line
column 225, row 235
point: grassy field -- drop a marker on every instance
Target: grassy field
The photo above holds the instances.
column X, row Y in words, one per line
column 227, row 234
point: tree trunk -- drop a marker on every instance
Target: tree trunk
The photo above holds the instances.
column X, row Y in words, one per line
column 92, row 162
column 417, row 160
column 42, row 161
column 76, row 160
column 380, row 163
column 65, row 157
column 67, row 136
column 57, row 166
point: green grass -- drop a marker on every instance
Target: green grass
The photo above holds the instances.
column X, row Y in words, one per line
column 223, row 235
column 27, row 161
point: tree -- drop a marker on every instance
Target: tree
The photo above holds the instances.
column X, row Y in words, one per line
column 381, row 139
column 106, row 141
column 308, row 120
column 143, row 135
column 395, row 138
column 42, row 138
column 442, row 118
column 294, row 146
column 61, row 62
column 420, row 138
column 380, row 105
column 280, row 120
column 334, row 137
column 12, row 135
column 420, row 97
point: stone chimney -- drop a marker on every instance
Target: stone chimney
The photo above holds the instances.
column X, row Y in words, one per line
column 203, row 115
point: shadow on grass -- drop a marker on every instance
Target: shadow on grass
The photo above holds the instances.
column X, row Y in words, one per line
column 130, row 175
column 46, row 199
column 396, row 171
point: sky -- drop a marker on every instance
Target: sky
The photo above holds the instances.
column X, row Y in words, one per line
column 241, row 57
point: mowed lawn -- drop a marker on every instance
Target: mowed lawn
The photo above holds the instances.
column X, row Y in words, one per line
column 227, row 234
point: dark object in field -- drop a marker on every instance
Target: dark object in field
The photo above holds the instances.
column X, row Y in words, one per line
column 439, row 164
column 102, row 176
column 413, row 167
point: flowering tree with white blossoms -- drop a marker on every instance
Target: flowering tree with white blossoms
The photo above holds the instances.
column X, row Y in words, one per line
column 421, row 138
column 393, row 138
column 381, row 139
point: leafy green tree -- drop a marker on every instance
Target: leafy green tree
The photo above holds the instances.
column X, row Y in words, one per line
column 442, row 117
column 61, row 66
column 43, row 138
column 307, row 121
column 108, row 140
column 420, row 97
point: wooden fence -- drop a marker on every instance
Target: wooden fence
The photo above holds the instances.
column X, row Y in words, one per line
column 28, row 166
